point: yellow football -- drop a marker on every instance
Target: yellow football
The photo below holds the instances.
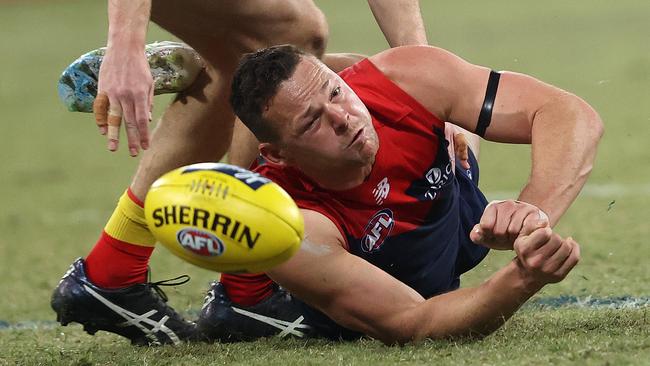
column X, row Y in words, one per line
column 224, row 218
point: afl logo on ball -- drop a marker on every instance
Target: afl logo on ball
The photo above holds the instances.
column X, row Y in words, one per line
column 377, row 230
column 200, row 242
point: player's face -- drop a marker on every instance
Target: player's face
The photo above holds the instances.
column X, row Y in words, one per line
column 322, row 123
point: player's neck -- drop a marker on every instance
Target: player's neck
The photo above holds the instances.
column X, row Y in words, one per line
column 342, row 179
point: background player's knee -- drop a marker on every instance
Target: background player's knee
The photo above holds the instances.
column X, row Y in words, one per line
column 311, row 32
column 320, row 35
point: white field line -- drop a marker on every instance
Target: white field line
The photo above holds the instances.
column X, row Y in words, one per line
column 617, row 302
column 611, row 191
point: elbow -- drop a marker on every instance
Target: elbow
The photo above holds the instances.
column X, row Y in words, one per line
column 590, row 131
column 592, row 125
column 599, row 128
column 400, row 328
column 596, row 125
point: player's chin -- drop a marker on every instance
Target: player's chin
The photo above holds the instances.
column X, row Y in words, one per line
column 365, row 160
column 369, row 150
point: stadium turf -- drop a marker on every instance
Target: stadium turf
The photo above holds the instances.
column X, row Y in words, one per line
column 58, row 186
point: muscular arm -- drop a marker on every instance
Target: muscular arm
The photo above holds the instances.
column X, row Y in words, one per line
column 400, row 21
column 360, row 296
column 563, row 129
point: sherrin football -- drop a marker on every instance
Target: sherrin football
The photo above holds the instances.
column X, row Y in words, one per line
column 224, row 218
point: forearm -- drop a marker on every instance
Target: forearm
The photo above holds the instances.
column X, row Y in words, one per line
column 400, row 21
column 127, row 23
column 565, row 135
column 474, row 311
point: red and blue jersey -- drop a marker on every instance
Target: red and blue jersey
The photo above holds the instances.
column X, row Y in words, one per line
column 411, row 217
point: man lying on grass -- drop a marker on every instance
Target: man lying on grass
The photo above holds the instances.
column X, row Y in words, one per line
column 391, row 220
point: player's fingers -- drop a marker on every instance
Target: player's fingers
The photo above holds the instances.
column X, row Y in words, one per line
column 142, row 121
column 517, row 222
column 556, row 260
column 150, row 103
column 533, row 221
column 529, row 244
column 530, row 224
column 505, row 211
column 476, row 235
column 551, row 246
column 489, row 217
column 461, row 149
column 114, row 122
column 131, row 128
column 100, row 110
column 524, row 220
column 571, row 260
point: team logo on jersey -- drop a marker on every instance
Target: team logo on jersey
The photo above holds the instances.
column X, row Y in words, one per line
column 200, row 242
column 434, row 181
column 381, row 191
column 377, row 230
column 437, row 179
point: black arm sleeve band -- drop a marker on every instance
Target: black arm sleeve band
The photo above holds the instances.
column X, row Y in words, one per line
column 485, row 116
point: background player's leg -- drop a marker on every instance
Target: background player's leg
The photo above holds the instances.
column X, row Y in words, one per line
column 199, row 127
column 244, row 148
column 195, row 127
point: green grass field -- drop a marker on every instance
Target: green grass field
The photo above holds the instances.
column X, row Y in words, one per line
column 59, row 185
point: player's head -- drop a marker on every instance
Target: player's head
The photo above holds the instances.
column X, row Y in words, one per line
column 304, row 114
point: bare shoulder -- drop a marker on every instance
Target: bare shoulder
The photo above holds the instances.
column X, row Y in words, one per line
column 411, row 59
column 436, row 78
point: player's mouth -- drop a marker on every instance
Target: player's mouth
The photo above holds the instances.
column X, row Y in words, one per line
column 359, row 136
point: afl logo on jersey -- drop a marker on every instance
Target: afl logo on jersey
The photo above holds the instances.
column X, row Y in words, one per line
column 377, row 230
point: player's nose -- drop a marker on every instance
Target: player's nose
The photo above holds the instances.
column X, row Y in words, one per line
column 339, row 118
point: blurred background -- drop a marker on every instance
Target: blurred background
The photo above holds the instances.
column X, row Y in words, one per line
column 58, row 183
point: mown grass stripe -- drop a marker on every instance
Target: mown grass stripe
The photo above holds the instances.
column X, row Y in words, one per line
column 617, row 302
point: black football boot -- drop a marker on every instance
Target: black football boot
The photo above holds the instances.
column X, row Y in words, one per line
column 278, row 315
column 139, row 312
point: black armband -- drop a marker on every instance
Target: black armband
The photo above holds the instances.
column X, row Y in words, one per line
column 485, row 116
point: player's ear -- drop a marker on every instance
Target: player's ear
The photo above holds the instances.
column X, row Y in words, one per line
column 272, row 153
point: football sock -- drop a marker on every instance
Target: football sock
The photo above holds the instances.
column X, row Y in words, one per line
column 121, row 255
column 247, row 289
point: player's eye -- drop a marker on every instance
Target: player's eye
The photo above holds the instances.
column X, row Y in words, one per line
column 312, row 123
column 335, row 92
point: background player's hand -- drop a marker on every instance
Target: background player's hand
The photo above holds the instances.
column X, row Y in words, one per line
column 544, row 257
column 125, row 92
column 503, row 221
column 458, row 147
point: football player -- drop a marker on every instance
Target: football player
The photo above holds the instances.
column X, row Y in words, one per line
column 390, row 223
